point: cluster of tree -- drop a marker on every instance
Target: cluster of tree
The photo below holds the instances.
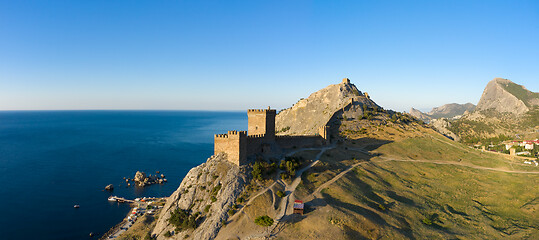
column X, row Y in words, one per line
column 262, row 170
column 264, row 221
column 369, row 113
column 290, row 165
column 398, row 117
column 183, row 219
column 462, row 127
column 284, row 129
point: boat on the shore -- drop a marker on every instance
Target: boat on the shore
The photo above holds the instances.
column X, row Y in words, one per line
column 113, row 198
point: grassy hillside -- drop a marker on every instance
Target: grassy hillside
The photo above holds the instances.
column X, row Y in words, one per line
column 521, row 93
column 416, row 185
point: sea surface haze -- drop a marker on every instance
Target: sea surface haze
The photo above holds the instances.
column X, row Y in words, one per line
column 52, row 160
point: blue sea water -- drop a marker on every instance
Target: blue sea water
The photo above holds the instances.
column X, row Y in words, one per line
column 52, row 160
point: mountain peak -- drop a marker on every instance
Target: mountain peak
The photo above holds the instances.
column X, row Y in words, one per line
column 503, row 95
column 307, row 115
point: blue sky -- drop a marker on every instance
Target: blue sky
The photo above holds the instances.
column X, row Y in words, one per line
column 233, row 55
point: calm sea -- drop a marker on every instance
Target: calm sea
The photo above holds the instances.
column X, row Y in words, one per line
column 52, row 160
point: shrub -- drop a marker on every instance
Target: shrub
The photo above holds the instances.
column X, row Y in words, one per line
column 240, row 200
column 182, row 219
column 280, row 193
column 427, row 221
column 230, row 212
column 264, row 221
column 213, row 199
column 168, row 234
column 207, row 208
column 216, row 189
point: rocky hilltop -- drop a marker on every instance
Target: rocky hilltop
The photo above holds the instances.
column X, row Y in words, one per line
column 420, row 115
column 307, row 115
column 504, row 96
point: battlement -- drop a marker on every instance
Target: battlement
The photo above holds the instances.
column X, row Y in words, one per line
column 261, row 111
column 346, row 81
column 221, row 135
column 237, row 132
column 231, row 134
column 257, row 136
column 260, row 138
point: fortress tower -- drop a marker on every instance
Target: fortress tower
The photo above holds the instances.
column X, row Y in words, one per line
column 261, row 122
column 234, row 144
column 260, row 138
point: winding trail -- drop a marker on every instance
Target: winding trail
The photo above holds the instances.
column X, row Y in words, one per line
column 288, row 201
column 455, row 163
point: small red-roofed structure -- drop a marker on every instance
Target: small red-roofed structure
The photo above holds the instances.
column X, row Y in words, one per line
column 298, row 207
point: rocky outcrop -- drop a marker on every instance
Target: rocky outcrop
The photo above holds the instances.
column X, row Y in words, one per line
column 215, row 183
column 504, row 96
column 142, row 180
column 441, row 125
column 109, row 187
column 308, row 115
column 419, row 115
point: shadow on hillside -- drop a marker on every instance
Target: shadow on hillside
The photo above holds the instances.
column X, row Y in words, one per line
column 367, row 143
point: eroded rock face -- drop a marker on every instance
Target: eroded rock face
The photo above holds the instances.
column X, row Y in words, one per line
column 419, row 115
column 308, row 115
column 441, row 125
column 497, row 97
column 196, row 191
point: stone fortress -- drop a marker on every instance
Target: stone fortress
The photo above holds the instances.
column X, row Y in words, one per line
column 260, row 138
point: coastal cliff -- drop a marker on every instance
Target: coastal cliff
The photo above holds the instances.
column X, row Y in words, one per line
column 207, row 192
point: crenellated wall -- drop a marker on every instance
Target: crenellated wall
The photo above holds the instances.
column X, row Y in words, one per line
column 234, row 144
column 261, row 121
column 238, row 145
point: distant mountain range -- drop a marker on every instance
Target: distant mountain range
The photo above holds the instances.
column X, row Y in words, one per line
column 505, row 108
column 450, row 110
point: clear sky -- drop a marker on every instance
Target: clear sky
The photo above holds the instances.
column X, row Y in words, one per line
column 233, row 55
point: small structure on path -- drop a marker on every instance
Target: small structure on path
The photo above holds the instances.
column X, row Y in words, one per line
column 298, row 207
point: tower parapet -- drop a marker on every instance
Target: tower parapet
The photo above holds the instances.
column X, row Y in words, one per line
column 234, row 144
column 261, row 121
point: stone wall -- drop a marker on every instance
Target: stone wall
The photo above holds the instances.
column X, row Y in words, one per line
column 288, row 142
column 234, row 144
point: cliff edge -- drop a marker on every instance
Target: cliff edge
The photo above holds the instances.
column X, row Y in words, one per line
column 206, row 193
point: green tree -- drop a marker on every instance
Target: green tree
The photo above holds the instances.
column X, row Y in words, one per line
column 264, row 221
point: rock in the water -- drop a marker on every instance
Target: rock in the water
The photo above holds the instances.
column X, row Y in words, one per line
column 141, row 179
column 140, row 176
column 109, row 187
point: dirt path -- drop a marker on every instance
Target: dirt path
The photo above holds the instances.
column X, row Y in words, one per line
column 287, row 202
column 316, row 193
column 454, row 163
column 288, row 189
